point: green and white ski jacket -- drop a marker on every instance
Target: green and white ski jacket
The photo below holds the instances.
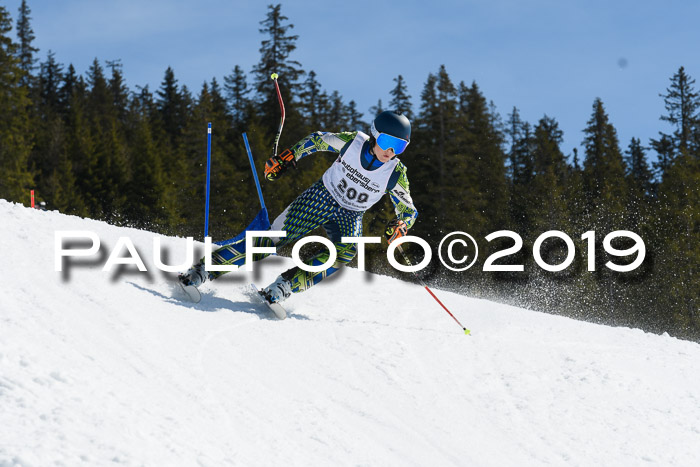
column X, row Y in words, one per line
column 397, row 187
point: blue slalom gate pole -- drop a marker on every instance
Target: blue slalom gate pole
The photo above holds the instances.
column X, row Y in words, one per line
column 255, row 173
column 261, row 221
column 206, row 207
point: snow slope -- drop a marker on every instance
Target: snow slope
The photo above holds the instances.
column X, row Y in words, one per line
column 100, row 368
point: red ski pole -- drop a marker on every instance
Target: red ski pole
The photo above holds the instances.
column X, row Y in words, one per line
column 274, row 77
column 408, row 261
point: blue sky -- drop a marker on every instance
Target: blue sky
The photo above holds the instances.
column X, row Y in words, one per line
column 550, row 57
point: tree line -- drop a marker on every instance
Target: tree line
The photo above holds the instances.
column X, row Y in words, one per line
column 91, row 147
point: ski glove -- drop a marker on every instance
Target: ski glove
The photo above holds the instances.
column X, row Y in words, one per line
column 277, row 165
column 396, row 228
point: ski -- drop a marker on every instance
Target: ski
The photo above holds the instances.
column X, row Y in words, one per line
column 276, row 308
column 191, row 292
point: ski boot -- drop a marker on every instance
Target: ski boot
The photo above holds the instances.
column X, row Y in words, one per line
column 278, row 291
column 195, row 276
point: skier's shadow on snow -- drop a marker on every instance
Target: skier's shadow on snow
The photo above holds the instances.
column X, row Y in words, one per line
column 210, row 304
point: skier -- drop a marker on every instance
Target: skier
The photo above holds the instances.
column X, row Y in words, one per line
column 365, row 169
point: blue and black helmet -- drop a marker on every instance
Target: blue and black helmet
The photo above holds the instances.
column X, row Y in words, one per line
column 391, row 130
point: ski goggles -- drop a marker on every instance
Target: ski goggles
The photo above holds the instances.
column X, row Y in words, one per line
column 387, row 141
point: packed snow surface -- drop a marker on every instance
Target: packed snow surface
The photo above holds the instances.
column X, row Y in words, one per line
column 110, row 368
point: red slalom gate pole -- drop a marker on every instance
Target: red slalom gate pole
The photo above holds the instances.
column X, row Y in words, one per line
column 32, row 197
column 408, row 261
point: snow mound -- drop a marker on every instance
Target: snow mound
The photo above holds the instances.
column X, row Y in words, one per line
column 101, row 368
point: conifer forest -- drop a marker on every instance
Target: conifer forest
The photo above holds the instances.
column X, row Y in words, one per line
column 91, row 147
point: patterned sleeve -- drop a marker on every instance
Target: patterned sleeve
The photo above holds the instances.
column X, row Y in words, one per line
column 401, row 198
column 322, row 141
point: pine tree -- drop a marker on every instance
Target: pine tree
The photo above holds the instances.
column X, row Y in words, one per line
column 666, row 153
column 549, row 184
column 482, row 142
column 679, row 237
column 603, row 171
column 424, row 161
column 606, row 201
column 236, row 92
column 355, row 121
column 58, row 182
column 521, row 170
column 401, row 100
column 26, row 51
column 50, row 129
column 119, row 91
column 171, row 107
column 324, row 111
column 449, row 163
column 682, row 104
column 68, row 86
column 309, row 97
column 50, row 78
column 576, row 196
column 275, row 54
column 143, row 103
column 675, row 230
column 16, row 178
column 146, row 133
column 514, row 128
column 337, row 118
column 100, row 99
column 151, row 201
column 65, row 194
column 436, row 142
column 80, row 142
column 376, row 109
column 218, row 102
column 520, row 157
column 641, row 203
column 111, row 170
column 638, row 171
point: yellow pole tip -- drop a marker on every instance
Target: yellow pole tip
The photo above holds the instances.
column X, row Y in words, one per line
column 467, row 332
column 274, row 76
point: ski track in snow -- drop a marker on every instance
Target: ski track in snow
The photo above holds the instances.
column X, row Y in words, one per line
column 111, row 368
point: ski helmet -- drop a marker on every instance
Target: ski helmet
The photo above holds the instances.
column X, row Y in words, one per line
column 391, row 130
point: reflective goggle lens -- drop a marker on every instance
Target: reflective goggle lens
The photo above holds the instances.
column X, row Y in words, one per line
column 387, row 141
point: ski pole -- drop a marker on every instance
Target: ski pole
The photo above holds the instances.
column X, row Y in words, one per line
column 408, row 261
column 274, row 77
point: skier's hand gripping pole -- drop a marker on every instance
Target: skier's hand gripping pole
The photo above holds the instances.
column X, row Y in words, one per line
column 408, row 261
column 395, row 228
column 277, row 165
